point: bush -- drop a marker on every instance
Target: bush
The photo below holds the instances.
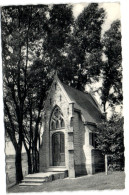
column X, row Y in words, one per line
column 110, row 140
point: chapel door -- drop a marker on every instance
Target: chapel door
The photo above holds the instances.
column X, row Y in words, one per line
column 58, row 149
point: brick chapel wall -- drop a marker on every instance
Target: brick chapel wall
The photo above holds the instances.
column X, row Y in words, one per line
column 98, row 161
column 94, row 158
column 57, row 98
column 79, row 143
column 83, row 155
column 87, row 149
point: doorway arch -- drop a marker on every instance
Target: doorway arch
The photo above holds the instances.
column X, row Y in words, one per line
column 58, row 149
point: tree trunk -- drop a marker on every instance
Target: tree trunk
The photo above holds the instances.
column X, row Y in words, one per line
column 37, row 160
column 36, row 152
column 29, row 157
column 29, row 162
column 18, row 165
column 34, row 160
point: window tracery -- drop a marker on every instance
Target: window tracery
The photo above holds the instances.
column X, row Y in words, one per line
column 57, row 120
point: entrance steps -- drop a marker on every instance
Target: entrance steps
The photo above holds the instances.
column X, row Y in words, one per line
column 51, row 174
column 57, row 169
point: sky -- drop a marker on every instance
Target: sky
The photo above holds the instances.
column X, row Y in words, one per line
column 112, row 12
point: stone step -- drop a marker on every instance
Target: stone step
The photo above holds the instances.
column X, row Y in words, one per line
column 40, row 178
column 57, row 169
column 38, row 175
column 33, row 180
column 30, row 184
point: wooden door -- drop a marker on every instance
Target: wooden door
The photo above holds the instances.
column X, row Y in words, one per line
column 58, row 149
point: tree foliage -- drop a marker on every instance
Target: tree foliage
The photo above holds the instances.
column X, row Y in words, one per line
column 83, row 48
column 110, row 139
column 87, row 48
column 112, row 68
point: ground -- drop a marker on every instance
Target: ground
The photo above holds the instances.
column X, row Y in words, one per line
column 100, row 181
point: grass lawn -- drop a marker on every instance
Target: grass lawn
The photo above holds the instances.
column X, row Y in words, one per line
column 100, row 181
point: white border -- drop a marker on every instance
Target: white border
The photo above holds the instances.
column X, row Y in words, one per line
column 125, row 48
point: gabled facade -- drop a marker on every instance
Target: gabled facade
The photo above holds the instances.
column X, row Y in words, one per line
column 68, row 139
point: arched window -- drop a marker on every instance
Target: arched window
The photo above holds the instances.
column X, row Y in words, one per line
column 62, row 123
column 57, row 124
column 57, row 120
column 53, row 125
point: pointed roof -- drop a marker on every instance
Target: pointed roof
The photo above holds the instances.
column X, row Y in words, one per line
column 85, row 103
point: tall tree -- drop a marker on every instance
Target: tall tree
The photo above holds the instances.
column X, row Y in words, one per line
column 86, row 49
column 112, row 68
column 20, row 25
column 59, row 27
column 74, row 45
column 39, row 80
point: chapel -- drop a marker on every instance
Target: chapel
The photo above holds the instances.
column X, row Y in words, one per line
column 70, row 118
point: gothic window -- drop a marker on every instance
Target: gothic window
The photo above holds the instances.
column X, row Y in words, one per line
column 62, row 123
column 57, row 120
column 53, row 125
column 57, row 124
